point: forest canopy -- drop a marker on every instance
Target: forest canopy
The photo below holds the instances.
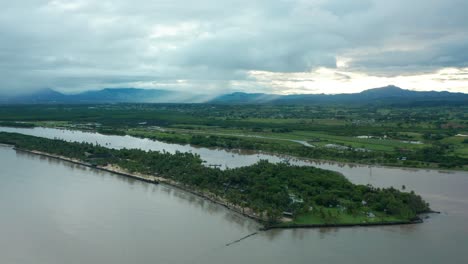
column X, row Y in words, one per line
column 269, row 189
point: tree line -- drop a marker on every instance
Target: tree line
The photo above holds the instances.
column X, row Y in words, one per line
column 269, row 189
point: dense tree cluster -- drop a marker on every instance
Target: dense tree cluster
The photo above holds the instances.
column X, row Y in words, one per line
column 16, row 124
column 267, row 188
column 436, row 126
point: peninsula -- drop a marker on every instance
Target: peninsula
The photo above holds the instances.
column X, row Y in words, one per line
column 278, row 195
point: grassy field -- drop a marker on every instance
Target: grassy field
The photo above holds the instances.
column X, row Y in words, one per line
column 340, row 217
column 318, row 139
column 398, row 136
column 459, row 144
column 315, row 196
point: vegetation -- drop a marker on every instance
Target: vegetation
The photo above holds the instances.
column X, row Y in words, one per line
column 429, row 136
column 310, row 194
column 16, row 124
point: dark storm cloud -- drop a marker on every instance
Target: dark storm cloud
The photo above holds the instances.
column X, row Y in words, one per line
column 213, row 44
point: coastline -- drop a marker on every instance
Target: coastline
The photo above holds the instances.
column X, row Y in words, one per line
column 280, row 155
column 295, row 226
column 247, row 212
column 285, row 155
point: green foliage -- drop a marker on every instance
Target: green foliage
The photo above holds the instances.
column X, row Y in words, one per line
column 433, row 127
column 265, row 187
column 16, row 124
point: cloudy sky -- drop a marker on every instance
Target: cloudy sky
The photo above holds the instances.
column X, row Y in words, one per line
column 215, row 46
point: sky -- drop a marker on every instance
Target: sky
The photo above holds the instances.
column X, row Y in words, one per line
column 219, row 46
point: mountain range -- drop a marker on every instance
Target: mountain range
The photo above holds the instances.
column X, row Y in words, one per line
column 108, row 95
column 383, row 95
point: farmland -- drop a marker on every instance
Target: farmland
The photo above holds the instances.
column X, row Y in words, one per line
column 410, row 136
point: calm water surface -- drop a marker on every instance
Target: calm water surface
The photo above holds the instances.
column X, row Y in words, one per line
column 57, row 212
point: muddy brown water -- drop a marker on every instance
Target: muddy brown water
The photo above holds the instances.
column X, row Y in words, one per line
column 57, row 212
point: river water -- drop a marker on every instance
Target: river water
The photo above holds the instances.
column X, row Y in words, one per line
column 58, row 212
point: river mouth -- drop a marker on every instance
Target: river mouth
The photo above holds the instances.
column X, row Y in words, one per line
column 96, row 217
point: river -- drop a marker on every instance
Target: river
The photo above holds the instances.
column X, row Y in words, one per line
column 58, row 212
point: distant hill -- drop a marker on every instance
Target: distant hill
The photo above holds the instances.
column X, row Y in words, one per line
column 108, row 95
column 383, row 95
column 239, row 97
column 44, row 95
column 130, row 95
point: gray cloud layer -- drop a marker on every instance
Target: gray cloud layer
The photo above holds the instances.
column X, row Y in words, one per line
column 211, row 44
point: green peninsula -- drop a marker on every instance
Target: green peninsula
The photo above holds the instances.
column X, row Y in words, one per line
column 276, row 194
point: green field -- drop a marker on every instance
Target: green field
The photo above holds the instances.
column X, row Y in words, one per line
column 410, row 136
column 311, row 195
column 338, row 216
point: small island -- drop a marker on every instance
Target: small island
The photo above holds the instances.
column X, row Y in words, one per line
column 278, row 195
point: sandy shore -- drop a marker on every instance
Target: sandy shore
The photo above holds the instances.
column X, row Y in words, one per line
column 247, row 212
column 156, row 179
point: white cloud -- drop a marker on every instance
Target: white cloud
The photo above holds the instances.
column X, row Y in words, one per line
column 223, row 45
column 342, row 81
column 165, row 31
column 65, row 5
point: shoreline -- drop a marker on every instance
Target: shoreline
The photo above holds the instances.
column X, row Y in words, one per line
column 280, row 155
column 208, row 196
column 151, row 179
column 284, row 155
column 297, row 226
